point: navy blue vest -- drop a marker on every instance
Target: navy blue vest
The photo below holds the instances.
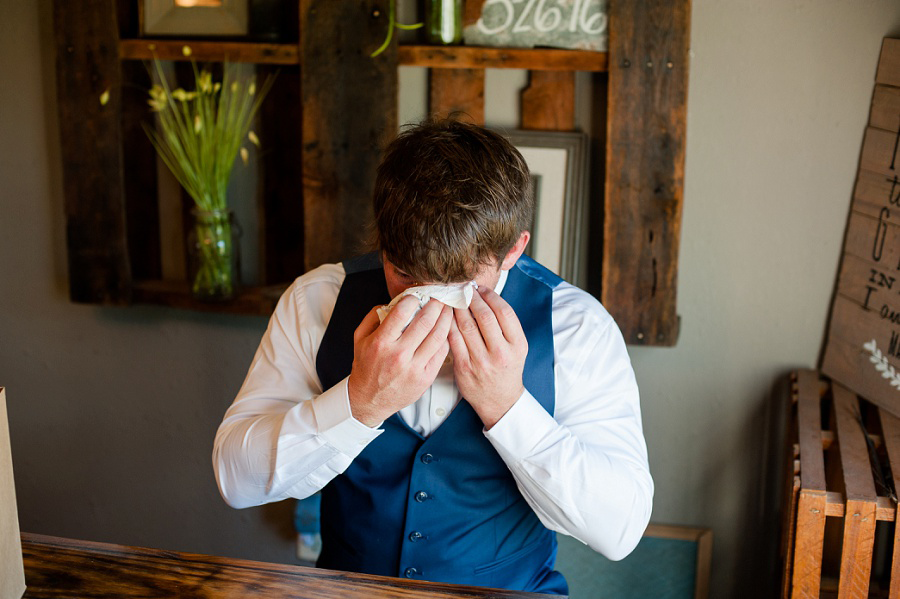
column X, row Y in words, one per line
column 445, row 508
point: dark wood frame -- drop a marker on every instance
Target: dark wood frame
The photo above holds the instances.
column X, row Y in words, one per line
column 326, row 132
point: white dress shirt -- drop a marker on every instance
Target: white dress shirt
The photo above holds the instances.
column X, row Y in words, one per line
column 582, row 470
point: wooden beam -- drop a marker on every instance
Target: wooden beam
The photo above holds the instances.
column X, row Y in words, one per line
column 548, row 103
column 349, row 104
column 648, row 75
column 458, row 92
column 859, row 517
column 148, row 49
column 88, row 68
column 477, row 57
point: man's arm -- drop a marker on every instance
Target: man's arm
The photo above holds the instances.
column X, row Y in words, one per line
column 283, row 437
column 583, row 470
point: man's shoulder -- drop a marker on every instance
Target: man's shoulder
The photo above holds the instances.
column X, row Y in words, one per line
column 325, row 278
column 576, row 303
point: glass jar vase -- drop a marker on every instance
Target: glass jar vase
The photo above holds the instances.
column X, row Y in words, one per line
column 443, row 21
column 213, row 255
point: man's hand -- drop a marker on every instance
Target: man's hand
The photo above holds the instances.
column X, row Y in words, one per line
column 489, row 349
column 393, row 367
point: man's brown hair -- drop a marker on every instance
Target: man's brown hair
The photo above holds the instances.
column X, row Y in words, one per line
column 449, row 198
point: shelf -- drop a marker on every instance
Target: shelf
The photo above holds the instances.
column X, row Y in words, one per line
column 259, row 301
column 148, row 49
column 477, row 57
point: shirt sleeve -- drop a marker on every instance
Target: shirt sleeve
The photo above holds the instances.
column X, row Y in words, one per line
column 583, row 470
column 284, row 436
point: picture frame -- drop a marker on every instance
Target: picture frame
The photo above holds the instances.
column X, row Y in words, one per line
column 558, row 162
column 194, row 17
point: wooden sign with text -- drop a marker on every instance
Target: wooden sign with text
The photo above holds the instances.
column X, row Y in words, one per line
column 863, row 346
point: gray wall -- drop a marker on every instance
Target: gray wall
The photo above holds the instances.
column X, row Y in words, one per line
column 113, row 410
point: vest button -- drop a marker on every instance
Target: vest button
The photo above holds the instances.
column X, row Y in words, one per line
column 421, row 496
column 415, row 536
column 427, row 458
column 410, row 572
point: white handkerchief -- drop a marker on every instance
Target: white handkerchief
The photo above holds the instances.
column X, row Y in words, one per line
column 456, row 295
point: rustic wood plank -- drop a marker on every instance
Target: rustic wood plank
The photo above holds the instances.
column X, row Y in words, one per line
column 809, row 425
column 481, row 57
column 807, row 558
column 57, row 568
column 648, row 74
column 548, row 103
column 260, row 53
column 253, row 301
column 846, row 359
column 859, row 518
column 880, row 152
column 874, row 191
column 885, row 113
column 281, row 197
column 890, row 428
column 836, row 507
column 458, row 92
column 889, row 63
column 88, row 66
column 349, row 104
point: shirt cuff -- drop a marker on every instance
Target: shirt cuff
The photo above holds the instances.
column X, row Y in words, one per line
column 336, row 424
column 524, row 427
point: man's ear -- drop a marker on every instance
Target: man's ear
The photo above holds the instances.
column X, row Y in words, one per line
column 516, row 251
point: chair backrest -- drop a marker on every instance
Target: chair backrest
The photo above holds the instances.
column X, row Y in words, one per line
column 670, row 562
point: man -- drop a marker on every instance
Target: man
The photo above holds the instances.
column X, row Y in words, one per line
column 451, row 448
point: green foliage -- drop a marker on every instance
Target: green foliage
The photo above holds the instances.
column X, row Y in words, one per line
column 201, row 132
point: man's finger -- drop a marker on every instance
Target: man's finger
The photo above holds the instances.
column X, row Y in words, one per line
column 470, row 333
column 367, row 326
column 505, row 315
column 487, row 322
column 457, row 343
column 436, row 336
column 422, row 324
column 395, row 322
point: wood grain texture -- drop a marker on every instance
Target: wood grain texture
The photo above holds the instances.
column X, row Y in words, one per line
column 548, row 102
column 806, row 566
column 889, row 63
column 254, row 301
column 648, row 75
column 144, row 49
column 885, row 113
column 890, row 427
column 859, row 488
column 457, row 92
column 349, row 103
column 87, row 66
column 479, row 57
column 57, row 568
column 809, row 422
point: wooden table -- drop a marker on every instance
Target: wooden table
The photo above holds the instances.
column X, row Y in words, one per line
column 56, row 568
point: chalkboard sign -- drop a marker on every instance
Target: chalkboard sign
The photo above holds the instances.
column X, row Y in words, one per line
column 576, row 24
column 863, row 347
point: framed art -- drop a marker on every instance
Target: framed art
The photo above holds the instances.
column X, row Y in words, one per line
column 194, row 17
column 558, row 164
